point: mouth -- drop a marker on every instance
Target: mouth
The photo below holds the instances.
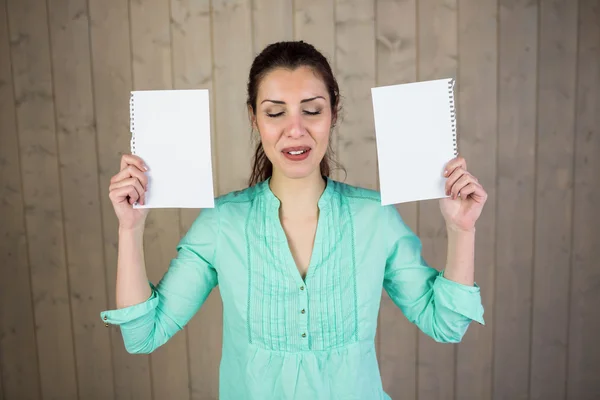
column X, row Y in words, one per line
column 298, row 153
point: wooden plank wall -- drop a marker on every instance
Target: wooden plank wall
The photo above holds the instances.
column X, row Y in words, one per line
column 528, row 95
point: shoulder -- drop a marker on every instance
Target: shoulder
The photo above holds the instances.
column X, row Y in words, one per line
column 356, row 194
column 365, row 205
column 236, row 204
column 229, row 209
column 360, row 200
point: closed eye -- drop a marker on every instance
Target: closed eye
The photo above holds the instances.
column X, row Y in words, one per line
column 305, row 112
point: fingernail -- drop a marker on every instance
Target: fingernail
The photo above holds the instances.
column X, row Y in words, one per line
column 145, row 167
column 445, row 172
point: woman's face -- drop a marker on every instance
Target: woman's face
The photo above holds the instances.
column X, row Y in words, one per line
column 294, row 117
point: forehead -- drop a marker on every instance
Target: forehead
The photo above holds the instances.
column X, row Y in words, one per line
column 300, row 82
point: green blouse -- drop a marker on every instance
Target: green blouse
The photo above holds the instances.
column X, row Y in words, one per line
column 285, row 337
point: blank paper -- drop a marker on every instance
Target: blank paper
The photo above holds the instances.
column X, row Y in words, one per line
column 171, row 133
column 415, row 133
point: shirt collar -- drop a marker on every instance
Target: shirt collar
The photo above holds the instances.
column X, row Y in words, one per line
column 273, row 202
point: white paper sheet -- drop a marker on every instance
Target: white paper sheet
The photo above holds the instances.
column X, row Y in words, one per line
column 171, row 133
column 414, row 127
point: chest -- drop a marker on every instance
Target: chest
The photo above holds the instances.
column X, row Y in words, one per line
column 300, row 237
column 304, row 288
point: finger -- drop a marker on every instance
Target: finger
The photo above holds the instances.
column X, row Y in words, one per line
column 453, row 178
column 129, row 182
column 475, row 191
column 130, row 159
column 456, row 162
column 129, row 172
column 460, row 183
column 124, row 194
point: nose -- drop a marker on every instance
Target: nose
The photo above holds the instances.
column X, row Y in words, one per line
column 296, row 127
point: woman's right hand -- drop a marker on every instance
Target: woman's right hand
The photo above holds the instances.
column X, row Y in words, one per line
column 126, row 187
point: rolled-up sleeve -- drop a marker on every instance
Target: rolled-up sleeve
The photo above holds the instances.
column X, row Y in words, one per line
column 441, row 308
column 182, row 290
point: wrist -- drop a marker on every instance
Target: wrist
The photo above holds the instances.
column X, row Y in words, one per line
column 454, row 230
column 131, row 230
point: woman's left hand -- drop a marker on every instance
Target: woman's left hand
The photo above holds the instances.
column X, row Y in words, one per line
column 467, row 197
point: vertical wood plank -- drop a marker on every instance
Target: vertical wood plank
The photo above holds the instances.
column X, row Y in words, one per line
column 355, row 69
column 32, row 75
column 19, row 374
column 437, row 54
column 76, row 134
column 192, row 69
column 152, row 69
column 112, row 81
column 232, row 60
column 314, row 22
column 584, row 325
column 272, row 21
column 516, row 188
column 477, row 138
column 396, row 35
column 554, row 194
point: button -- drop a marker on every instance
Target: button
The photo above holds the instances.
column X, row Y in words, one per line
column 301, row 287
column 303, row 311
column 304, row 335
column 105, row 318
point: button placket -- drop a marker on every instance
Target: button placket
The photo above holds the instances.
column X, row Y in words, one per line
column 302, row 311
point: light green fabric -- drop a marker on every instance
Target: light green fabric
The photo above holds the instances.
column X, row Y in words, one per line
column 289, row 338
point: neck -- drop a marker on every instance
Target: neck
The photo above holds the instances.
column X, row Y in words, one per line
column 299, row 197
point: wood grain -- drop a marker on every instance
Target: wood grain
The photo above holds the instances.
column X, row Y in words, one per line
column 152, row 69
column 517, row 98
column 437, row 58
column 272, row 21
column 32, row 77
column 355, row 69
column 396, row 38
column 76, row 136
column 19, row 374
column 554, row 196
column 584, row 325
column 314, row 22
column 112, row 82
column 232, row 60
column 477, row 139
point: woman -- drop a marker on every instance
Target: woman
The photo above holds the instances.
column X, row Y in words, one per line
column 300, row 259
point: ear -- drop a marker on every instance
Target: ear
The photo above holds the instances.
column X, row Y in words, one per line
column 252, row 118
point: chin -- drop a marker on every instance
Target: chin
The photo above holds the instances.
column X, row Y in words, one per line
column 298, row 172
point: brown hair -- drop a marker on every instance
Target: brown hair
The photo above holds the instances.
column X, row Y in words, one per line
column 290, row 55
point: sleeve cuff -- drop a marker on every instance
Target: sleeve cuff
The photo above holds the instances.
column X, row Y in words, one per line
column 461, row 299
column 123, row 315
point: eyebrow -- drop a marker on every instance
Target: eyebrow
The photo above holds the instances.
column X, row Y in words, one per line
column 303, row 101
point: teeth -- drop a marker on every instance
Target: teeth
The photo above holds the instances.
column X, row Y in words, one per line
column 295, row 153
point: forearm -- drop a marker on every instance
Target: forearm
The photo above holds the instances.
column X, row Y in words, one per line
column 460, row 262
column 132, row 280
